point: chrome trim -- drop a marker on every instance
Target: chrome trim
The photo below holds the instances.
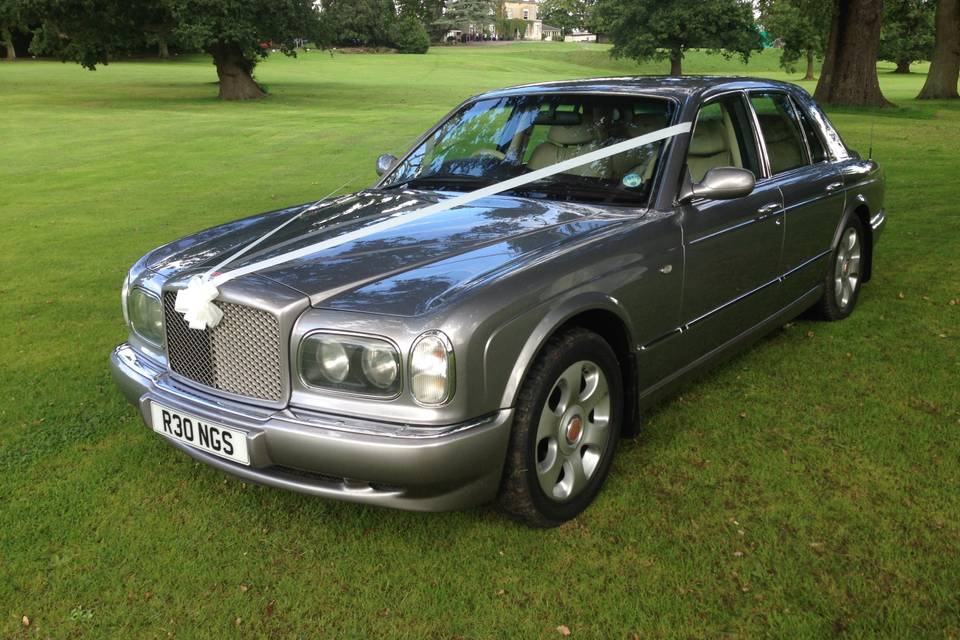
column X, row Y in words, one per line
column 384, row 429
column 739, row 225
column 731, row 302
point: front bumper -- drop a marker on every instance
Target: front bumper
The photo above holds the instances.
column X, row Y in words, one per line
column 423, row 469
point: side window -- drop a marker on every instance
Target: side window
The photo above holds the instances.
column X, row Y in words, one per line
column 781, row 132
column 722, row 137
column 817, row 152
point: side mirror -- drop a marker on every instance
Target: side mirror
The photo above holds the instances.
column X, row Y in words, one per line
column 720, row 183
column 385, row 163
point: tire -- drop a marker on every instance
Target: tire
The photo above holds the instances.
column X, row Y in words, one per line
column 562, row 444
column 844, row 275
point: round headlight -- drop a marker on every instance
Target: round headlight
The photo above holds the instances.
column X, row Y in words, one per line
column 333, row 360
column 432, row 369
column 380, row 366
column 145, row 315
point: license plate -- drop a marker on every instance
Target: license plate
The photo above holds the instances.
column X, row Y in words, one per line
column 200, row 433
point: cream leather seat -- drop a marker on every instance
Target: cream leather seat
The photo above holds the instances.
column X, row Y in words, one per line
column 637, row 160
column 568, row 141
column 783, row 144
column 709, row 148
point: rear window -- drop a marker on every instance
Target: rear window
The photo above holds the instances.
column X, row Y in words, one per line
column 781, row 132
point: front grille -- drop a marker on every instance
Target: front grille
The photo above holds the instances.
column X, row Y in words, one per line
column 241, row 355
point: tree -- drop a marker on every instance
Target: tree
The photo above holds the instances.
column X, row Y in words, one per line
column 849, row 74
column 359, row 23
column 941, row 83
column 659, row 29
column 467, row 14
column 907, row 32
column 409, row 35
column 568, row 14
column 236, row 33
column 802, row 25
column 11, row 19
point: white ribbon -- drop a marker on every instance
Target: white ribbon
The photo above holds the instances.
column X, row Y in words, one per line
column 195, row 302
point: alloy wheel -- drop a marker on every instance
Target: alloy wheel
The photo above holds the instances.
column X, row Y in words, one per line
column 573, row 430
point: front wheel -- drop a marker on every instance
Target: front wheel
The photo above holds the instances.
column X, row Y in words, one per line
column 565, row 431
column 844, row 273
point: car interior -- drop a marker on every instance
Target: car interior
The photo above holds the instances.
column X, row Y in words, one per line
column 573, row 133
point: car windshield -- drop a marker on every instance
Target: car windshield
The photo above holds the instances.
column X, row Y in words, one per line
column 494, row 139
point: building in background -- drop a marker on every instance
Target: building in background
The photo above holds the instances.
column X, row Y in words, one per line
column 525, row 10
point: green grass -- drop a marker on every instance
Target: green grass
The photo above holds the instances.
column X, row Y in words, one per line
column 808, row 488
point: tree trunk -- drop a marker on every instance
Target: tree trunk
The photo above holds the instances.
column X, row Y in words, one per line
column 7, row 41
column 809, row 75
column 235, row 73
column 676, row 60
column 903, row 66
column 162, row 49
column 944, row 71
column 849, row 74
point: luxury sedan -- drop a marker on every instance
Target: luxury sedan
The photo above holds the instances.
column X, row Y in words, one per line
column 497, row 311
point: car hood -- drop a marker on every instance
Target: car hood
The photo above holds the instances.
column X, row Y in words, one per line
column 407, row 270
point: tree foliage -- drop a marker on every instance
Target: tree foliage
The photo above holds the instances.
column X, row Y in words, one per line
column 464, row 14
column 237, row 33
column 359, row 23
column 907, row 33
column 409, row 35
column 801, row 25
column 12, row 18
column 568, row 14
column 661, row 29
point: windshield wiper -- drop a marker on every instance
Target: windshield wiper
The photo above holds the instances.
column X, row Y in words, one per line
column 442, row 180
column 578, row 191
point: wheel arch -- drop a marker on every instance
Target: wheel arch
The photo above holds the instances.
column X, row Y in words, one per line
column 598, row 313
column 859, row 207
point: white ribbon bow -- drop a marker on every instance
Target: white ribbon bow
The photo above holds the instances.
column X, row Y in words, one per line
column 196, row 301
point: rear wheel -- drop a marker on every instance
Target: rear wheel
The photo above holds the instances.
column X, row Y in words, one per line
column 844, row 273
column 566, row 426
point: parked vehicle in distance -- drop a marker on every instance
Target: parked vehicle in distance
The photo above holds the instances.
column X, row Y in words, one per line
column 499, row 350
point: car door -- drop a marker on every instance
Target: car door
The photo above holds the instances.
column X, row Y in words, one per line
column 811, row 185
column 731, row 247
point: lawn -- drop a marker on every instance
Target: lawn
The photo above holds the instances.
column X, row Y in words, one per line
column 808, row 488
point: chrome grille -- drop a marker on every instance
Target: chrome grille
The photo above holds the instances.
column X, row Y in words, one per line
column 241, row 355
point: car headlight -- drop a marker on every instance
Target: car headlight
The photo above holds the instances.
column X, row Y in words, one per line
column 432, row 369
column 145, row 315
column 358, row 364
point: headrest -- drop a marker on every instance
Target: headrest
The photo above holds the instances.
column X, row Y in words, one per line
column 642, row 123
column 572, row 134
column 709, row 138
column 558, row 118
column 775, row 129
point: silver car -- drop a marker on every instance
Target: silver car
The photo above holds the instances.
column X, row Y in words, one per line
column 416, row 345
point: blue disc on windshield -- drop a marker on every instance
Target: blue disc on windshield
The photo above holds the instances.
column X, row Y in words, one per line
column 632, row 180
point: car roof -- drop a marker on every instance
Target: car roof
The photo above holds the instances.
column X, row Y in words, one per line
column 681, row 87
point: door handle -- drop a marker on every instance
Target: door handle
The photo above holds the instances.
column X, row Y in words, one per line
column 767, row 210
column 833, row 186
